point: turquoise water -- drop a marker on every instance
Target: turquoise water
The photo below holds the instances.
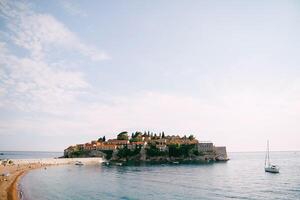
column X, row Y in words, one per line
column 243, row 177
column 28, row 154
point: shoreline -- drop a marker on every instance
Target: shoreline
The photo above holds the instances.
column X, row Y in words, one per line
column 9, row 185
column 13, row 192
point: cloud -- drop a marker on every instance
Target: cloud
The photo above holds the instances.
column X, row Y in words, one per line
column 43, row 96
column 230, row 120
column 39, row 33
column 73, row 9
column 32, row 82
column 34, row 85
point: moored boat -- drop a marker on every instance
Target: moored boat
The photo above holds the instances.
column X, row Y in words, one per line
column 79, row 163
column 272, row 169
column 106, row 163
column 268, row 166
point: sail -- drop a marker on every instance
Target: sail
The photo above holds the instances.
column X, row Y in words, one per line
column 267, row 157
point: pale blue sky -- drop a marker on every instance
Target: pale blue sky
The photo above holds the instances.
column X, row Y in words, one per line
column 226, row 71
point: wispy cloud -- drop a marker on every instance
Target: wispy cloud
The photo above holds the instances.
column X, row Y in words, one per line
column 72, row 8
column 39, row 32
column 34, row 85
column 250, row 91
column 32, row 82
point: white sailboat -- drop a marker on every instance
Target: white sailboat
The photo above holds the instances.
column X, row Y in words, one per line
column 268, row 166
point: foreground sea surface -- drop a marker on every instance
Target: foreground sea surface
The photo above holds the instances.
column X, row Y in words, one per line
column 242, row 177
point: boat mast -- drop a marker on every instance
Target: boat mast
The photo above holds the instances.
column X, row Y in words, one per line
column 268, row 154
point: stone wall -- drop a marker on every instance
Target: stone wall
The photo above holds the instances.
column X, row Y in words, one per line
column 221, row 152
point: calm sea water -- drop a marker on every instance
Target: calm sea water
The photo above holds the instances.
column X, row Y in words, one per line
column 28, row 154
column 243, row 177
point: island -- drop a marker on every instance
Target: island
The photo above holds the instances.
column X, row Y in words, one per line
column 149, row 147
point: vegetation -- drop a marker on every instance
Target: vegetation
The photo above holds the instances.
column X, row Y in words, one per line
column 136, row 137
column 108, row 154
column 125, row 152
column 123, row 135
column 102, row 139
column 191, row 137
column 197, row 153
column 153, row 151
column 176, row 150
column 80, row 153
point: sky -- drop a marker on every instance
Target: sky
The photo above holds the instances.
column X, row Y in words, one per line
column 224, row 71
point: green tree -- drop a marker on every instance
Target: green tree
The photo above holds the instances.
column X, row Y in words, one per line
column 123, row 135
column 191, row 137
column 108, row 154
column 101, row 139
column 125, row 152
column 176, row 150
column 134, row 139
column 152, row 151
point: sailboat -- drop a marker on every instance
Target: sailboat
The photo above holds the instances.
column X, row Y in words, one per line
column 268, row 166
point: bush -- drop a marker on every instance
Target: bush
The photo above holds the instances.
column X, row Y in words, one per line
column 108, row 154
column 176, row 150
column 153, row 151
column 80, row 153
column 123, row 136
column 125, row 152
column 196, row 153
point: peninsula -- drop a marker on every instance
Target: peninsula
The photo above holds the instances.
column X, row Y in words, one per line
column 149, row 147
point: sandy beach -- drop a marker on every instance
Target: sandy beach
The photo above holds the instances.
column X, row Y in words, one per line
column 10, row 174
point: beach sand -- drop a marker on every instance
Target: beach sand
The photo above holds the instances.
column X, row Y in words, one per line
column 9, row 189
column 9, row 184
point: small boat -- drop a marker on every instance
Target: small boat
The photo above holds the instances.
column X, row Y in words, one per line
column 79, row 163
column 106, row 163
column 175, row 162
column 119, row 164
column 268, row 166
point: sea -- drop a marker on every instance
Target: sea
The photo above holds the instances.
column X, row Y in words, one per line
column 242, row 177
column 28, row 154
